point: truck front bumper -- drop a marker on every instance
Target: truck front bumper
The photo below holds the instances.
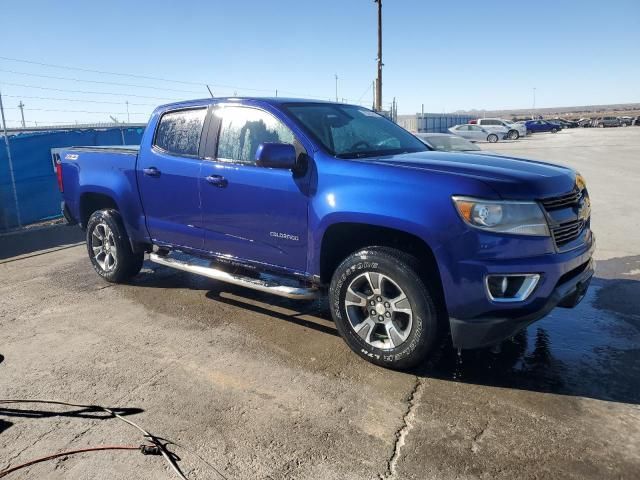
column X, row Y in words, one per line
column 477, row 321
column 487, row 331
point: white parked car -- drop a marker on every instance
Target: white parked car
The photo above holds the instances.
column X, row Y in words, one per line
column 446, row 142
column 514, row 130
column 476, row 133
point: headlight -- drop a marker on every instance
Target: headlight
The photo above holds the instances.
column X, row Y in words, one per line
column 517, row 218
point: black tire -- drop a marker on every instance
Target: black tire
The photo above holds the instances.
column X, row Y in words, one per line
column 514, row 135
column 398, row 268
column 492, row 138
column 554, row 130
column 126, row 263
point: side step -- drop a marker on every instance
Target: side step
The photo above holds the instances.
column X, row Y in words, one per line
column 295, row 292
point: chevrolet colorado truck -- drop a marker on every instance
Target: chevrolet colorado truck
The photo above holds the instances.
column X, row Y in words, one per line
column 304, row 198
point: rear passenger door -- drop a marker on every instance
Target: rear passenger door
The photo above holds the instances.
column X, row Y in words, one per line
column 168, row 173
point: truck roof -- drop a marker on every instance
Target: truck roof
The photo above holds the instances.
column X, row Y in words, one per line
column 264, row 100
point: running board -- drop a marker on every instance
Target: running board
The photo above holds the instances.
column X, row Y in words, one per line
column 295, row 292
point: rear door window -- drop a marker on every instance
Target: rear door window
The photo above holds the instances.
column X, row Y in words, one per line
column 179, row 132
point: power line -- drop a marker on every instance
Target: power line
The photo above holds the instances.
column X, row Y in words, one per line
column 132, row 75
column 74, row 111
column 102, row 72
column 90, row 92
column 146, row 77
column 72, row 79
column 364, row 93
column 80, row 100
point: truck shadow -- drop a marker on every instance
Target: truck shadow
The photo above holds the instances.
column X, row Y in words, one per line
column 27, row 241
column 590, row 351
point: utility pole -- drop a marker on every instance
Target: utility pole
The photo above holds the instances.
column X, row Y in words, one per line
column 336, row 75
column 378, row 106
column 534, row 103
column 13, row 178
column 128, row 120
column 21, row 107
column 373, row 89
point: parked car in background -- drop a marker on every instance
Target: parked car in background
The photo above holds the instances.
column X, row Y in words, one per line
column 585, row 122
column 514, row 130
column 607, row 122
column 446, row 142
column 476, row 133
column 625, row 121
column 539, row 126
column 636, row 121
column 564, row 123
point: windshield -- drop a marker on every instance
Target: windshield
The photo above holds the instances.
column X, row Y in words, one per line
column 348, row 131
column 449, row 143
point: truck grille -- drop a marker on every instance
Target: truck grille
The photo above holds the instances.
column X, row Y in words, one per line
column 567, row 232
column 563, row 201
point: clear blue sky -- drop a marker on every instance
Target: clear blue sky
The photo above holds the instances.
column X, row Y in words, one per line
column 447, row 55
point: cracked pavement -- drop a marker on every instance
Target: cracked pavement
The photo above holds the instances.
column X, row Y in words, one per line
column 262, row 387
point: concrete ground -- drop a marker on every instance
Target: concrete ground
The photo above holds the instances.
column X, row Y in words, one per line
column 260, row 387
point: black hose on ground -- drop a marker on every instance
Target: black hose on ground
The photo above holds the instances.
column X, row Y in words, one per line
column 159, row 445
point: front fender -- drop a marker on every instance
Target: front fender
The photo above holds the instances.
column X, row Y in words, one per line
column 414, row 202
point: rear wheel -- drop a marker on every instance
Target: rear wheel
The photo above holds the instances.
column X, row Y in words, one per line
column 109, row 248
column 493, row 138
column 383, row 309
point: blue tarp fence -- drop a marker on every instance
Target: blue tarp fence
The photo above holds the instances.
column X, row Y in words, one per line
column 440, row 124
column 36, row 184
column 432, row 122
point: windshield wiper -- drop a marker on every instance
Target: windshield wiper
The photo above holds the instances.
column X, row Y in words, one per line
column 379, row 153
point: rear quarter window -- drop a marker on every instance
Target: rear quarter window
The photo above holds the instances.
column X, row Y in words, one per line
column 179, row 132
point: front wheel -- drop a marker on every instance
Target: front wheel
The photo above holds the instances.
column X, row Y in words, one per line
column 493, row 138
column 514, row 135
column 109, row 248
column 554, row 130
column 383, row 309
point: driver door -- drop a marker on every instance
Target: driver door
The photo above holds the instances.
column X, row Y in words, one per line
column 249, row 212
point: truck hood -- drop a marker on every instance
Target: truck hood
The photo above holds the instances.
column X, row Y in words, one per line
column 511, row 178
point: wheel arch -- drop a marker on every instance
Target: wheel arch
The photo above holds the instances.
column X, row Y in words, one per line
column 93, row 200
column 342, row 239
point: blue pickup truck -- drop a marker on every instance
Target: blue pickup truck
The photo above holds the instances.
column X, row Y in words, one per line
column 303, row 198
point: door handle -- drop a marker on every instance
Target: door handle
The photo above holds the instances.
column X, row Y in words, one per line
column 151, row 172
column 217, row 180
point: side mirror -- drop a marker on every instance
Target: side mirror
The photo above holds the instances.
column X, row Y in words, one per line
column 276, row 155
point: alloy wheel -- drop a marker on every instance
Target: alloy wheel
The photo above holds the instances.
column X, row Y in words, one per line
column 104, row 248
column 378, row 310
